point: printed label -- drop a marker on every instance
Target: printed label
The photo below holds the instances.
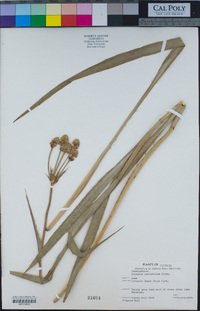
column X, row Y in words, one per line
column 169, row 9
column 95, row 41
column 153, row 285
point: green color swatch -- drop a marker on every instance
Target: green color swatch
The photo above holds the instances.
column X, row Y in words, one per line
column 38, row 20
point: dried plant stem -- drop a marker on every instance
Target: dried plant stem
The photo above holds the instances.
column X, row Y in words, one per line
column 58, row 162
column 46, row 215
column 49, row 160
column 165, row 65
column 63, row 166
column 179, row 108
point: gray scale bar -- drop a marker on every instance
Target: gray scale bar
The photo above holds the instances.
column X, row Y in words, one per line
column 169, row 22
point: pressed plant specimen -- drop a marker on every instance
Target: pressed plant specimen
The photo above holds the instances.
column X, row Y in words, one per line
column 175, row 46
column 67, row 152
column 92, row 206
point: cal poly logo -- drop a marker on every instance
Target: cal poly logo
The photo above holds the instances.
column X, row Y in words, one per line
column 169, row 9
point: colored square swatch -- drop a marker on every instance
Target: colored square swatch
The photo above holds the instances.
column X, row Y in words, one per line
column 38, row 9
column 115, row 20
column 114, row 8
column 23, row 9
column 68, row 9
column 99, row 14
column 84, row 8
column 68, row 20
column 23, row 21
column 38, row 20
column 130, row 20
column 84, row 20
column 130, row 8
column 53, row 9
column 53, row 20
column 8, row 9
column 7, row 21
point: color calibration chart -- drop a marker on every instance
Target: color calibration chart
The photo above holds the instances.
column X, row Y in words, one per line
column 68, row 14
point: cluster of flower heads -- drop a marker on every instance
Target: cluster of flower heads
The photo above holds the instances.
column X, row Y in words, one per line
column 66, row 148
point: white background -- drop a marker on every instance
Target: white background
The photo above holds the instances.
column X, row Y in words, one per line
column 160, row 211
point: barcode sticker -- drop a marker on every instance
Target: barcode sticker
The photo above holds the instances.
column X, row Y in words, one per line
column 24, row 300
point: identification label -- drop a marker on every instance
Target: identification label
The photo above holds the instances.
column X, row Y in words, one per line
column 157, row 285
column 95, row 41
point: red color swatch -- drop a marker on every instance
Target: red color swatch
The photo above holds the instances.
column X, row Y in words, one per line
column 68, row 20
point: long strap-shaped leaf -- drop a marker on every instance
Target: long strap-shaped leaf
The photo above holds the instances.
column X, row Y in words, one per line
column 30, row 277
column 109, row 63
column 93, row 228
column 37, row 235
column 175, row 45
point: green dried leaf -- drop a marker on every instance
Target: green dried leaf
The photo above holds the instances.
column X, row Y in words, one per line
column 91, row 233
column 30, row 277
column 120, row 59
column 79, row 262
column 39, row 242
column 76, row 251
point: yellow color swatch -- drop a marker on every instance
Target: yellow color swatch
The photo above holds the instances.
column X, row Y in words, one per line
column 53, row 20
column 53, row 9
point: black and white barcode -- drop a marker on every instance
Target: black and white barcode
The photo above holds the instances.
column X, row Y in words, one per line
column 24, row 300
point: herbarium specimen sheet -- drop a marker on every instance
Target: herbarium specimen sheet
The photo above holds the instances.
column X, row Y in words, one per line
column 57, row 117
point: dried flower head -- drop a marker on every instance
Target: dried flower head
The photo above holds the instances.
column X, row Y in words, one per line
column 68, row 152
column 71, row 158
column 76, row 143
column 74, row 153
column 64, row 139
column 66, row 147
column 55, row 141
